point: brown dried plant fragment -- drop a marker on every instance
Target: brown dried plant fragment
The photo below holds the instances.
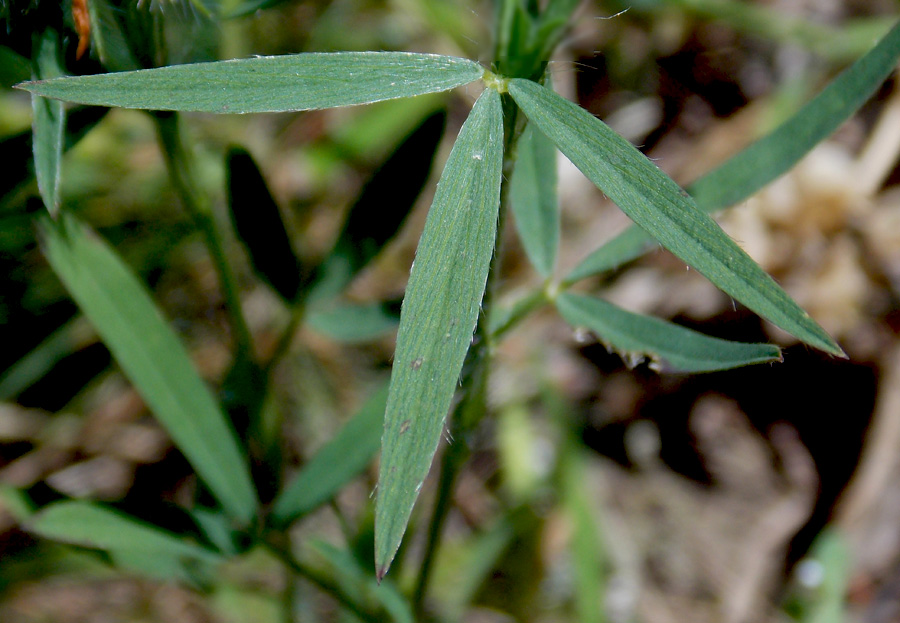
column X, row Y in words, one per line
column 82, row 26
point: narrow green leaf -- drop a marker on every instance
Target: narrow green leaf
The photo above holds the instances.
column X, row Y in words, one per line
column 774, row 154
column 842, row 42
column 268, row 83
column 374, row 129
column 553, row 23
column 670, row 347
column 17, row 503
column 88, row 524
column 503, row 318
column 64, row 341
column 663, row 209
column 258, row 224
column 19, row 161
column 91, row 525
column 438, row 319
column 153, row 359
column 48, row 123
column 13, row 67
column 390, row 194
column 771, row 156
column 108, row 38
column 336, row 464
column 585, row 545
column 352, row 323
column 623, row 248
column 387, row 198
column 248, row 7
column 463, row 567
column 832, row 555
column 218, row 530
column 504, row 22
column 534, row 201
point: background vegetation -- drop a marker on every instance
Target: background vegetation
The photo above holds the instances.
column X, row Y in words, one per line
column 600, row 489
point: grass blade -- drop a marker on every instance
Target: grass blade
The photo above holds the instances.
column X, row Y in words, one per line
column 142, row 546
column 669, row 346
column 268, row 83
column 152, row 358
column 438, row 319
column 48, row 123
column 663, row 209
column 91, row 525
column 534, row 201
column 771, row 156
column 338, row 462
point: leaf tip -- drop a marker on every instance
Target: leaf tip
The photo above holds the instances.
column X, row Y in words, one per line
column 29, row 85
column 829, row 345
column 381, row 571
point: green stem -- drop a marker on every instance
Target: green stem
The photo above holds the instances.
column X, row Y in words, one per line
column 509, row 317
column 324, row 581
column 180, row 167
column 451, row 463
column 289, row 597
column 472, row 405
column 298, row 312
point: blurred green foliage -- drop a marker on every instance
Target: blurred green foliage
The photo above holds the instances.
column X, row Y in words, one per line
column 211, row 219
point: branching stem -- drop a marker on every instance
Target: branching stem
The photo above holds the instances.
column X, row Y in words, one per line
column 181, row 171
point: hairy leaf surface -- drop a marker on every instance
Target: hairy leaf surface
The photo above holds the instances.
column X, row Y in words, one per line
column 534, row 201
column 771, row 156
column 439, row 314
column 663, row 209
column 669, row 346
column 268, row 83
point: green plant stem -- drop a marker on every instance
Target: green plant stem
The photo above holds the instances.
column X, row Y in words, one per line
column 474, row 378
column 322, row 580
column 180, row 167
column 298, row 312
column 288, row 599
column 503, row 24
column 451, row 462
column 512, row 315
column 342, row 520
